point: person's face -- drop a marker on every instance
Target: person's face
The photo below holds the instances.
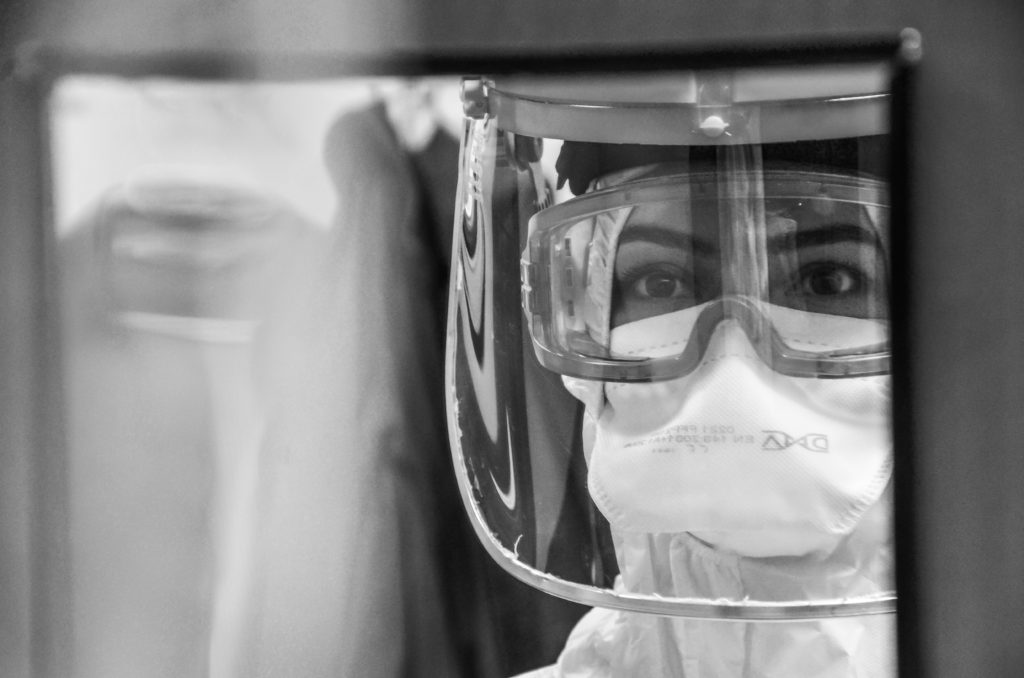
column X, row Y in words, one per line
column 820, row 256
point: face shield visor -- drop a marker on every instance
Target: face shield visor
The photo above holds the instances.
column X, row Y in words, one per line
column 668, row 339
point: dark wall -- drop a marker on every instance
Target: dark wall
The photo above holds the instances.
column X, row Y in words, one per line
column 368, row 27
column 966, row 337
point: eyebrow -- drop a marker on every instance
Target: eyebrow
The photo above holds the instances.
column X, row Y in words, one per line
column 666, row 237
column 825, row 234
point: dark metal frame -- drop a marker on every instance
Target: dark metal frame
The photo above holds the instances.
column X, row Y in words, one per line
column 31, row 431
column 31, row 408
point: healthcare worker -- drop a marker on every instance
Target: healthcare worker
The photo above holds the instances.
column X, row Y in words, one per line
column 668, row 359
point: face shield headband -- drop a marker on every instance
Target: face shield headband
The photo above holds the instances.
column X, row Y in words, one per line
column 797, row 258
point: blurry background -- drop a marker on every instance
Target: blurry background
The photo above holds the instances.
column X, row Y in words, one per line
column 252, row 292
column 267, row 135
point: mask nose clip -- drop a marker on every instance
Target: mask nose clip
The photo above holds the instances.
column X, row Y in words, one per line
column 729, row 339
column 733, row 326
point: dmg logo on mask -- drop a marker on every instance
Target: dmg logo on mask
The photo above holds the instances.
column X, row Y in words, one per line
column 780, row 440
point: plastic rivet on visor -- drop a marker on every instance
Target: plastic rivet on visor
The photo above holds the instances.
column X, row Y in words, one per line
column 713, row 126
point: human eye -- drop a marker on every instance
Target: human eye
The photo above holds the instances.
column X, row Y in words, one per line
column 846, row 281
column 830, row 279
column 650, row 280
column 660, row 282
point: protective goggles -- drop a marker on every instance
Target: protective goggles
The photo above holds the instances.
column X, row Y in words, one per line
column 629, row 283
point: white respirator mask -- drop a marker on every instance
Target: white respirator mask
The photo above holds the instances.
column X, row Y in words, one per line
column 745, row 459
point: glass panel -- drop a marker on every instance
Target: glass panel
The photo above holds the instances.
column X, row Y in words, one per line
column 252, row 291
column 183, row 211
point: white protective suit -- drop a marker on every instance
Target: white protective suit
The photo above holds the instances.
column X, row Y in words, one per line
column 612, row 643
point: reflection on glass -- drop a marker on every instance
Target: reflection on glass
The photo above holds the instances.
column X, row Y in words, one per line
column 183, row 210
column 253, row 282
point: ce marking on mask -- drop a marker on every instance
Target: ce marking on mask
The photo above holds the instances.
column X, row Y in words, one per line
column 693, row 438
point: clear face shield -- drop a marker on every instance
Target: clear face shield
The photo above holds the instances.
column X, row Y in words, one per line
column 668, row 339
